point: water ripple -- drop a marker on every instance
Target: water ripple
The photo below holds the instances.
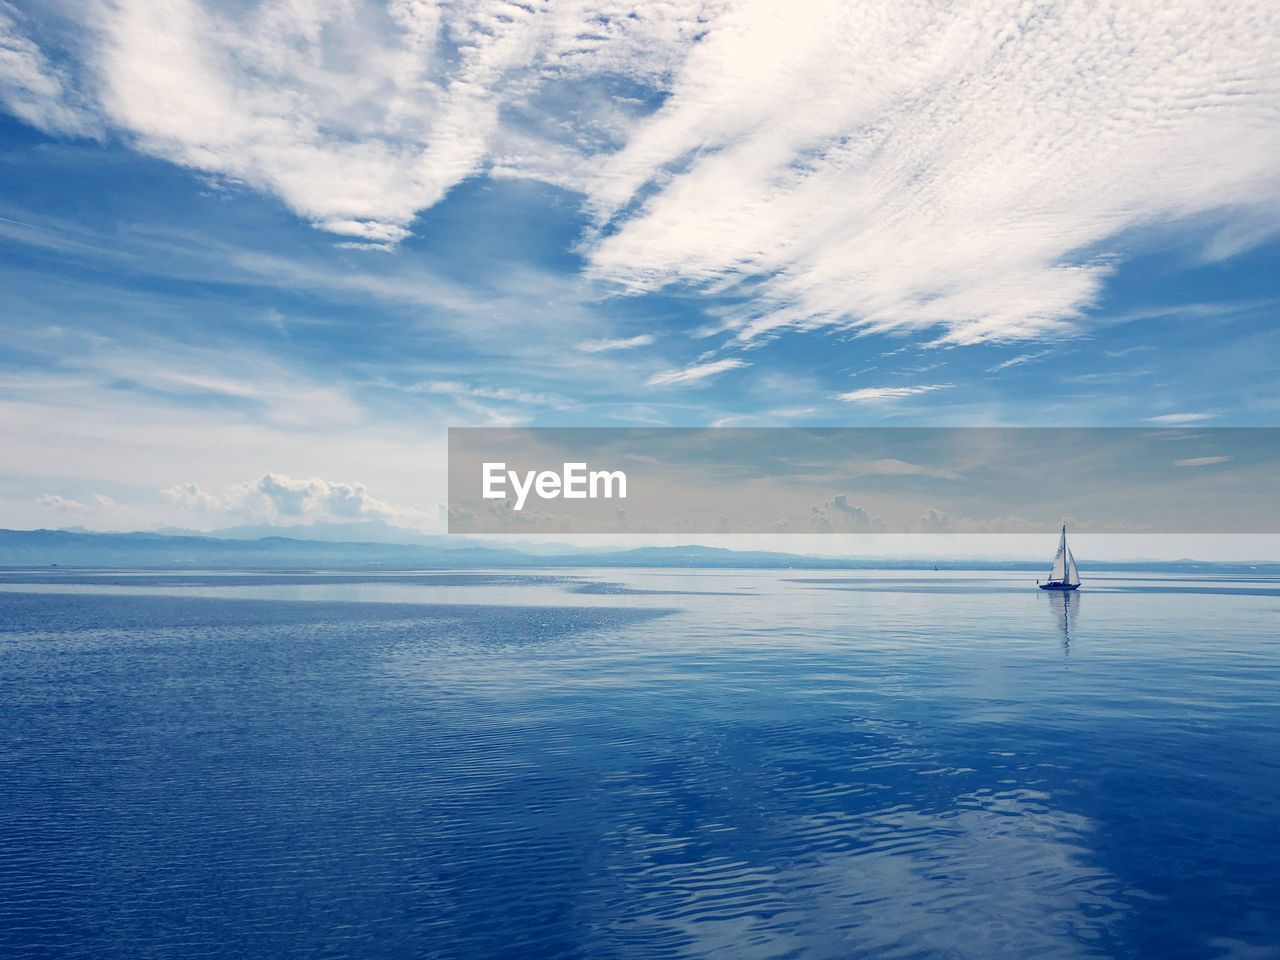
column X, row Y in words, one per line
column 776, row 771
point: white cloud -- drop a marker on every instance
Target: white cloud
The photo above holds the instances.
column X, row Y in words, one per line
column 32, row 89
column 55, row 501
column 893, row 467
column 946, row 169
column 695, row 373
column 1128, row 351
column 1018, row 361
column 97, row 508
column 1174, row 418
column 134, row 443
column 274, row 497
column 456, row 389
column 602, row 346
column 912, row 165
column 788, row 413
column 480, row 401
column 358, row 114
column 936, row 521
column 881, row 394
column 1200, row 461
column 838, row 515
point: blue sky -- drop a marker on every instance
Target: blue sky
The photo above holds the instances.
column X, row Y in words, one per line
column 302, row 239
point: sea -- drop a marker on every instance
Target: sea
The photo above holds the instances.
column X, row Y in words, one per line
column 638, row 763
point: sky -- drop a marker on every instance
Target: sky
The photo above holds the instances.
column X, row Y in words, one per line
column 256, row 257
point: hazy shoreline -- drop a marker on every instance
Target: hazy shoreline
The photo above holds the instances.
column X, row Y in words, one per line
column 26, row 549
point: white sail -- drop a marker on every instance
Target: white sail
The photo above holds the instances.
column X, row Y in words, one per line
column 1073, row 575
column 1059, row 571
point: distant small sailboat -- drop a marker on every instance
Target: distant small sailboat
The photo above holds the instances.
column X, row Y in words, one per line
column 1064, row 575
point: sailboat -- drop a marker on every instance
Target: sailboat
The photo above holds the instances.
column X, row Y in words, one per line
column 1064, row 575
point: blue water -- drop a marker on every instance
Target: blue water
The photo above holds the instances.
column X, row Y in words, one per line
column 638, row 764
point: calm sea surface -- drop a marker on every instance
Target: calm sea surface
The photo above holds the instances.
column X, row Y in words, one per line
column 638, row 764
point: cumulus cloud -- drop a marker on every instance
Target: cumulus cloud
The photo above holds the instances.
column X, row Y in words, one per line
column 193, row 497
column 951, row 170
column 60, row 504
column 692, row 374
column 882, row 394
column 935, row 521
column 55, row 501
column 275, row 498
column 838, row 515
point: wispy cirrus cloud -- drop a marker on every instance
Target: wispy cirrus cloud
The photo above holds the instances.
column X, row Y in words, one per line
column 1200, row 461
column 1018, row 361
column 695, row 373
column 939, row 168
column 454, row 388
column 357, row 115
column 625, row 343
column 1176, row 418
column 790, row 413
column 954, row 172
column 34, row 89
column 882, row 394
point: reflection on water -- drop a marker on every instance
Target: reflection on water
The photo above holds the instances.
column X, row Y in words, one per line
column 637, row 763
column 1064, row 605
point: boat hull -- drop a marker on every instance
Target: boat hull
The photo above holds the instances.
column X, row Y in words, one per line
column 1059, row 586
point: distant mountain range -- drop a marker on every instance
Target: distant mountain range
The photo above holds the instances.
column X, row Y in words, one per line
column 363, row 531
column 241, row 549
column 340, row 546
